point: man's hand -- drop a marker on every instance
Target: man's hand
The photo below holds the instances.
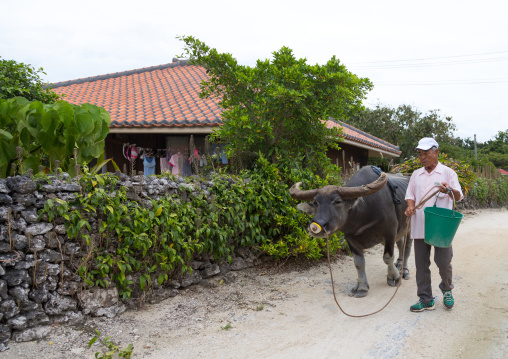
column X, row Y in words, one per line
column 410, row 210
column 445, row 188
column 453, row 193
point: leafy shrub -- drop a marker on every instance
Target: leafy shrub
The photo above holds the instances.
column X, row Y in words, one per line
column 157, row 241
column 289, row 237
column 463, row 170
column 19, row 79
column 34, row 134
column 490, row 191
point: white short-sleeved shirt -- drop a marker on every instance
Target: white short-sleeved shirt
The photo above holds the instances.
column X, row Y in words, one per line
column 420, row 183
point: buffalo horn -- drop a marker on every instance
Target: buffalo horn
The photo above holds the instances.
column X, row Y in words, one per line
column 360, row 191
column 302, row 195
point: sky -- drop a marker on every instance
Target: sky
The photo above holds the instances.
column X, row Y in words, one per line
column 450, row 55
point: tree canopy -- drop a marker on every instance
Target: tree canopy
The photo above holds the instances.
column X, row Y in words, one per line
column 496, row 150
column 498, row 144
column 403, row 126
column 19, row 79
column 278, row 108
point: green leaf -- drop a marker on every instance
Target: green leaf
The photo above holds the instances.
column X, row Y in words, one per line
column 50, row 120
column 65, row 112
column 7, row 152
column 84, row 121
column 91, row 342
column 46, row 139
column 5, row 135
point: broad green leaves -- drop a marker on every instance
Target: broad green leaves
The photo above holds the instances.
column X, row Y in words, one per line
column 5, row 135
column 49, row 132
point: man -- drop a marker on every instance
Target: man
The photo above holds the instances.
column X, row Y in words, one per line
column 433, row 173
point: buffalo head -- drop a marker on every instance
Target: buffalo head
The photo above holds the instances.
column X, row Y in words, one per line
column 330, row 205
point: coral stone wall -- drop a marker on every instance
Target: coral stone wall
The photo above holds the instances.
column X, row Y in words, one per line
column 39, row 284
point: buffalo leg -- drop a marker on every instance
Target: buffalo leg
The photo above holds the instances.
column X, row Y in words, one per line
column 409, row 244
column 362, row 286
column 393, row 274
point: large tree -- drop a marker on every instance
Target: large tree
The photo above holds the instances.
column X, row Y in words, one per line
column 496, row 150
column 279, row 107
column 498, row 144
column 404, row 126
column 19, row 79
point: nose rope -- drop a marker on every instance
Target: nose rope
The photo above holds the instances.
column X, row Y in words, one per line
column 408, row 222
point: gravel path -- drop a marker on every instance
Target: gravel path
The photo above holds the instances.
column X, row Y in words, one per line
column 268, row 314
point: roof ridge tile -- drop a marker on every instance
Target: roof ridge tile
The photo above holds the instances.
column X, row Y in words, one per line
column 142, row 70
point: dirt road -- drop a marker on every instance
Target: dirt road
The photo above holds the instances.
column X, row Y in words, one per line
column 293, row 315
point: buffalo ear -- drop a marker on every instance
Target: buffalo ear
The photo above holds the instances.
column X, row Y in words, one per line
column 307, row 208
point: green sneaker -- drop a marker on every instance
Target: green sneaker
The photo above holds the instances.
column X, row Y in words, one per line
column 420, row 307
column 448, row 299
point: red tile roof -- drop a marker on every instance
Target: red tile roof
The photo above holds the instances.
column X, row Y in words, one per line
column 158, row 96
column 503, row 172
column 167, row 96
column 353, row 134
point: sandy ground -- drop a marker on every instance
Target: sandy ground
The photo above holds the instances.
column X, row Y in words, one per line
column 292, row 314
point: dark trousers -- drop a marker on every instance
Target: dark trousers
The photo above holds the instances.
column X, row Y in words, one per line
column 443, row 260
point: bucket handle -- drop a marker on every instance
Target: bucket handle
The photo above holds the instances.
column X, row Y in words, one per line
column 454, row 203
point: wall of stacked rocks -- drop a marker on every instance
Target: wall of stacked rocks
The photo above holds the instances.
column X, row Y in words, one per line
column 39, row 284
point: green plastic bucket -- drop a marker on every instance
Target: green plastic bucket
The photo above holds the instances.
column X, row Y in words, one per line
column 441, row 224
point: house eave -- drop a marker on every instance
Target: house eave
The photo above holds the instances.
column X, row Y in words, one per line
column 373, row 151
column 164, row 130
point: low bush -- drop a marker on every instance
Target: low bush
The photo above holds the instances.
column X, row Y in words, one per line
column 483, row 191
column 464, row 171
column 488, row 192
column 158, row 239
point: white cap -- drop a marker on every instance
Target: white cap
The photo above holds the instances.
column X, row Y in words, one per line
column 427, row 143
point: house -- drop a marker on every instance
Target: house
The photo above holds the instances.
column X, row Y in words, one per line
column 503, row 172
column 158, row 108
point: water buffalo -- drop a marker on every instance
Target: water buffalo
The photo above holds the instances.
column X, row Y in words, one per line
column 368, row 212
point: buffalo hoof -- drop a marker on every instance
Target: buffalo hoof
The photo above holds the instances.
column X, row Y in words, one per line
column 392, row 282
column 361, row 293
column 358, row 293
column 405, row 274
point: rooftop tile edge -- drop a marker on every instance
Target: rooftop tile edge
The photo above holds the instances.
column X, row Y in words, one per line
column 118, row 74
column 383, row 142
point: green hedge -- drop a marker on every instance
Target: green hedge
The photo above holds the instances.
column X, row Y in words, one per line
column 158, row 240
column 490, row 191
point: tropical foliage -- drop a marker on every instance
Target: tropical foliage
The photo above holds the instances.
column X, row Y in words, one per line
column 463, row 170
column 278, row 108
column 157, row 241
column 19, row 79
column 403, row 126
column 487, row 192
column 34, row 134
column 495, row 150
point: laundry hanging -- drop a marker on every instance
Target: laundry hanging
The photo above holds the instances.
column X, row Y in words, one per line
column 130, row 152
column 176, row 162
column 149, row 166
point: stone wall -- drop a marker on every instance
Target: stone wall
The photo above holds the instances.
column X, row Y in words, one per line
column 39, row 284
